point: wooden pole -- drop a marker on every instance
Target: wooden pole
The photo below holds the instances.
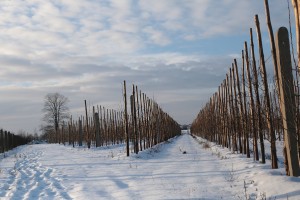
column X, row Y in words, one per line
column 296, row 5
column 233, row 122
column 287, row 99
column 126, row 119
column 97, row 128
column 252, row 106
column 246, row 136
column 242, row 128
column 272, row 42
column 237, row 113
column 80, row 130
column 228, row 118
column 87, row 126
column 267, row 97
column 258, row 104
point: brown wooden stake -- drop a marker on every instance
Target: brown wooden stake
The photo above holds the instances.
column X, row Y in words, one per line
column 237, row 113
column 233, row 112
column 136, row 145
column 267, row 97
column 242, row 128
column 252, row 106
column 258, row 104
column 145, row 120
column 80, row 132
column 228, row 119
column 97, row 128
column 126, row 119
column 225, row 114
column 246, row 139
column 272, row 42
column 87, row 126
column 296, row 5
column 102, row 131
column 142, row 122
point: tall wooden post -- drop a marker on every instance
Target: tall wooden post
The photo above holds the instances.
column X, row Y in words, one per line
column 237, row 113
column 272, row 41
column 101, row 127
column 141, row 122
column 258, row 104
column 126, row 119
column 69, row 131
column 97, row 127
column 296, row 4
column 227, row 138
column 229, row 128
column 87, row 126
column 63, row 133
column 233, row 122
column 6, row 147
column 242, row 129
column 246, row 136
column 145, row 121
column 267, row 97
column 2, row 141
column 252, row 106
column 133, row 121
column 225, row 107
column 80, row 130
column 287, row 99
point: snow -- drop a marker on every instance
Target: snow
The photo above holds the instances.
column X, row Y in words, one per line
column 178, row 169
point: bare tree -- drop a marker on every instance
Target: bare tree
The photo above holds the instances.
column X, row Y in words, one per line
column 55, row 112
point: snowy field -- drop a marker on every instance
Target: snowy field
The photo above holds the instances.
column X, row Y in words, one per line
column 183, row 168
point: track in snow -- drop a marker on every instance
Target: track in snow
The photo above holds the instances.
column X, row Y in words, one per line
column 52, row 171
column 29, row 179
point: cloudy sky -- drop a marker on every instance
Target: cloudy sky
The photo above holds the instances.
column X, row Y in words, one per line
column 177, row 51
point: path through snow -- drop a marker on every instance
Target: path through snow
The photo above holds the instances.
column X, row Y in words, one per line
column 52, row 171
column 29, row 179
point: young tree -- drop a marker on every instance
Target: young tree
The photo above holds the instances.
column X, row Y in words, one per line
column 55, row 111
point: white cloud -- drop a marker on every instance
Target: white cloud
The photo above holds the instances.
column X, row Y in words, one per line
column 122, row 8
column 162, row 10
column 189, row 37
column 85, row 49
column 156, row 36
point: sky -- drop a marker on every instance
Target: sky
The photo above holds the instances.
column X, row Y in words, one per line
column 176, row 51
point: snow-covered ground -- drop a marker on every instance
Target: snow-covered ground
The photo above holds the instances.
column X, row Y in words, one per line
column 179, row 169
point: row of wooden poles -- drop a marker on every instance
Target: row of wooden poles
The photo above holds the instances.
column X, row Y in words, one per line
column 246, row 110
column 9, row 140
column 148, row 124
column 141, row 126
